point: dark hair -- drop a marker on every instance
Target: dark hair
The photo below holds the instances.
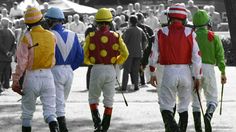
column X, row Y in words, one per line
column 133, row 20
column 140, row 16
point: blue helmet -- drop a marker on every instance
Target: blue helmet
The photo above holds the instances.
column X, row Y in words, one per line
column 55, row 13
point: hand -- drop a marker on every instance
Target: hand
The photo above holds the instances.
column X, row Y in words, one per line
column 16, row 87
column 153, row 81
column 196, row 85
column 9, row 54
column 223, row 79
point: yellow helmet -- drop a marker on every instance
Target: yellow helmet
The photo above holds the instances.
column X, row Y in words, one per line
column 32, row 15
column 103, row 15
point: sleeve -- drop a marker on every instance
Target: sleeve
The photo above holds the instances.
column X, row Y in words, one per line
column 124, row 53
column 22, row 54
column 220, row 58
column 153, row 58
column 86, row 51
column 196, row 59
column 79, row 54
column 144, row 41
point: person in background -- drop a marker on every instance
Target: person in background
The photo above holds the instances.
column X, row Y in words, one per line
column 69, row 56
column 144, row 72
column 15, row 11
column 77, row 26
column 103, row 49
column 45, row 7
column 152, row 20
column 175, row 47
column 212, row 54
column 7, row 50
column 215, row 18
column 69, row 21
column 191, row 7
column 135, row 40
column 35, row 58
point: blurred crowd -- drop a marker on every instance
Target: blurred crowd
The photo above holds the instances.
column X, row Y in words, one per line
column 13, row 21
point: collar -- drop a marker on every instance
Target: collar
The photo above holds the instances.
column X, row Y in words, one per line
column 58, row 27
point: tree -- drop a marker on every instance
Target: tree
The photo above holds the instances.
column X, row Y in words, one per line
column 231, row 14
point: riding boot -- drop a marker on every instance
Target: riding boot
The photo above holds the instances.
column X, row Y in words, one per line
column 183, row 121
column 106, row 119
column 208, row 116
column 26, row 129
column 197, row 121
column 95, row 117
column 62, row 124
column 53, row 126
column 169, row 121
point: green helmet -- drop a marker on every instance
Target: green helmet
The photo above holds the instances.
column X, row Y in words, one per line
column 201, row 18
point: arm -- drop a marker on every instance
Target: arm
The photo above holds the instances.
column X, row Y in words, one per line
column 220, row 58
column 153, row 61
column 78, row 60
column 196, row 59
column 124, row 53
column 86, row 52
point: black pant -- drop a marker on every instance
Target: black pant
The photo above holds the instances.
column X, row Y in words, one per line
column 5, row 73
column 88, row 76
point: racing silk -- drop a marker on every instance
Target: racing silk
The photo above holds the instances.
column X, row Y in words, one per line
column 36, row 51
column 68, row 49
column 105, row 47
column 175, row 45
column 211, row 48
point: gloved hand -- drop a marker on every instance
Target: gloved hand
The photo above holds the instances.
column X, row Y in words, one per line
column 16, row 87
column 223, row 79
column 196, row 85
column 153, row 81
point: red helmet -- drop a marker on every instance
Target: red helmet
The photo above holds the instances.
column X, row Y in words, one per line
column 177, row 11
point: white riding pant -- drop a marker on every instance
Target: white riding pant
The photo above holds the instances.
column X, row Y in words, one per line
column 176, row 81
column 209, row 87
column 102, row 79
column 39, row 83
column 63, row 77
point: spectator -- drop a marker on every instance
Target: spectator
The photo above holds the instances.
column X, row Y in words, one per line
column 7, row 50
column 69, row 22
column 152, row 20
column 215, row 18
column 135, row 40
column 5, row 13
column 144, row 72
column 161, row 14
column 191, row 7
column 45, row 7
column 137, row 7
column 15, row 12
column 130, row 10
column 77, row 25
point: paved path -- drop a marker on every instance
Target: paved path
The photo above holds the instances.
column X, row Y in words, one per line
column 142, row 114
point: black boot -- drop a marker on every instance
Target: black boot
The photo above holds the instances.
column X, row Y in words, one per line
column 62, row 124
column 183, row 121
column 106, row 119
column 197, row 121
column 96, row 117
column 169, row 121
column 207, row 117
column 26, row 129
column 53, row 126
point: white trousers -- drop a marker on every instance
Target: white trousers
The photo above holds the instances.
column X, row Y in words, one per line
column 63, row 77
column 209, row 87
column 102, row 79
column 176, row 81
column 39, row 83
